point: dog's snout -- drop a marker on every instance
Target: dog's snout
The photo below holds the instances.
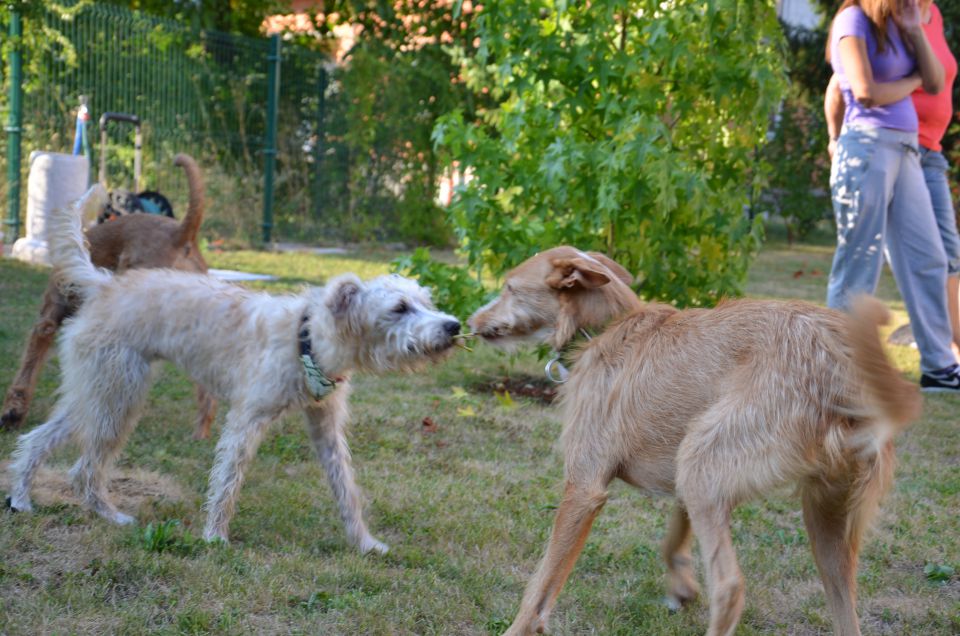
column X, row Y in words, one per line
column 452, row 327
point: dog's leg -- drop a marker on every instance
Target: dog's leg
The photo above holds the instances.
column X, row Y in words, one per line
column 683, row 585
column 32, row 449
column 325, row 423
column 108, row 414
column 718, row 466
column 207, row 407
column 575, row 516
column 711, row 524
column 835, row 540
column 17, row 401
column 237, row 446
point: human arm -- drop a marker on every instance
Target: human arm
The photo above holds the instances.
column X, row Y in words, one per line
column 867, row 91
column 833, row 110
column 931, row 70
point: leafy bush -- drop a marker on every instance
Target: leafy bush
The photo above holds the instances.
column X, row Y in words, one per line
column 798, row 185
column 378, row 170
column 455, row 291
column 625, row 127
column 799, row 176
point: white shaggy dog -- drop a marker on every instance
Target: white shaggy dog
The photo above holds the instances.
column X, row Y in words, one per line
column 262, row 354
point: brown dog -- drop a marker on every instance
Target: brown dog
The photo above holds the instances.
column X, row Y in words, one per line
column 129, row 242
column 715, row 406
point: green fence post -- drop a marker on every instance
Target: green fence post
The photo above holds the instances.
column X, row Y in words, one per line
column 270, row 150
column 13, row 128
column 320, row 149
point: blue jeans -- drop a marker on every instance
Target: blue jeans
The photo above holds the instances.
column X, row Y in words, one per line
column 880, row 199
column 935, row 167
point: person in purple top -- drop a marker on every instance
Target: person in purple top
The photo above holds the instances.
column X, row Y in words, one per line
column 880, row 55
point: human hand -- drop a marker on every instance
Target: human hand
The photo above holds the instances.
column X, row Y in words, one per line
column 908, row 16
column 832, row 148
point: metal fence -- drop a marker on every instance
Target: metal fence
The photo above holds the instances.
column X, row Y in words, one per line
column 201, row 92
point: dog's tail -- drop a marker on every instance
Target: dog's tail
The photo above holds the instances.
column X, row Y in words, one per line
column 76, row 274
column 191, row 222
column 893, row 404
column 899, row 401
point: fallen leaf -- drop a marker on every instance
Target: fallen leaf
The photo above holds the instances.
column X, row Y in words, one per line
column 466, row 411
column 429, row 426
column 505, row 400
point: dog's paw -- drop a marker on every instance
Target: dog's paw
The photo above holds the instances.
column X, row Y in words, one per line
column 683, row 590
column 369, row 544
column 11, row 418
column 19, row 504
column 526, row 630
column 673, row 603
column 675, row 600
column 215, row 537
column 120, row 518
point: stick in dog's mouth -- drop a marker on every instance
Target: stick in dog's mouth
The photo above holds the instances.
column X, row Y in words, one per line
column 459, row 340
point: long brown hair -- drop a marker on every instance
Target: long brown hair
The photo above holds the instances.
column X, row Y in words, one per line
column 878, row 12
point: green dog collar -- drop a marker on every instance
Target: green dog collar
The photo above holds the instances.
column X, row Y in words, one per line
column 319, row 385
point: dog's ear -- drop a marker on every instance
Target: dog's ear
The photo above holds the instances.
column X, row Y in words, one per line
column 615, row 268
column 577, row 272
column 344, row 295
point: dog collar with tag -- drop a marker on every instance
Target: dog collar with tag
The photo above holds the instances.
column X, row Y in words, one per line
column 555, row 370
column 319, row 385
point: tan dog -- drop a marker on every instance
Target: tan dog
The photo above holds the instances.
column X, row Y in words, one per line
column 715, row 406
column 129, row 242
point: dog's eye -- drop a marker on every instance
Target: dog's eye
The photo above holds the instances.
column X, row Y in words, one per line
column 401, row 308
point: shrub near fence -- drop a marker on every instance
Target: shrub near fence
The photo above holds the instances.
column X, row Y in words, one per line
column 202, row 92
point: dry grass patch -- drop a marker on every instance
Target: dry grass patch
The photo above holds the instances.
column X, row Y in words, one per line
column 130, row 488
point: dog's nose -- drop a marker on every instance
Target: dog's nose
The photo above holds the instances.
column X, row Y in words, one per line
column 452, row 327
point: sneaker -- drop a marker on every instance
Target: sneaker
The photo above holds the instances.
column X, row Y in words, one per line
column 946, row 380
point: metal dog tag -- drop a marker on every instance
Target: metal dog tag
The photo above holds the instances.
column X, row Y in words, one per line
column 555, row 371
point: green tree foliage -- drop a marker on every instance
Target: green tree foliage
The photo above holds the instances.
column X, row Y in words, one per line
column 243, row 17
column 798, row 184
column 380, row 170
column 797, row 188
column 455, row 291
column 627, row 127
column 36, row 39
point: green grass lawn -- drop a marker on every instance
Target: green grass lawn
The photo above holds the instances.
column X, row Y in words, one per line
column 466, row 509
